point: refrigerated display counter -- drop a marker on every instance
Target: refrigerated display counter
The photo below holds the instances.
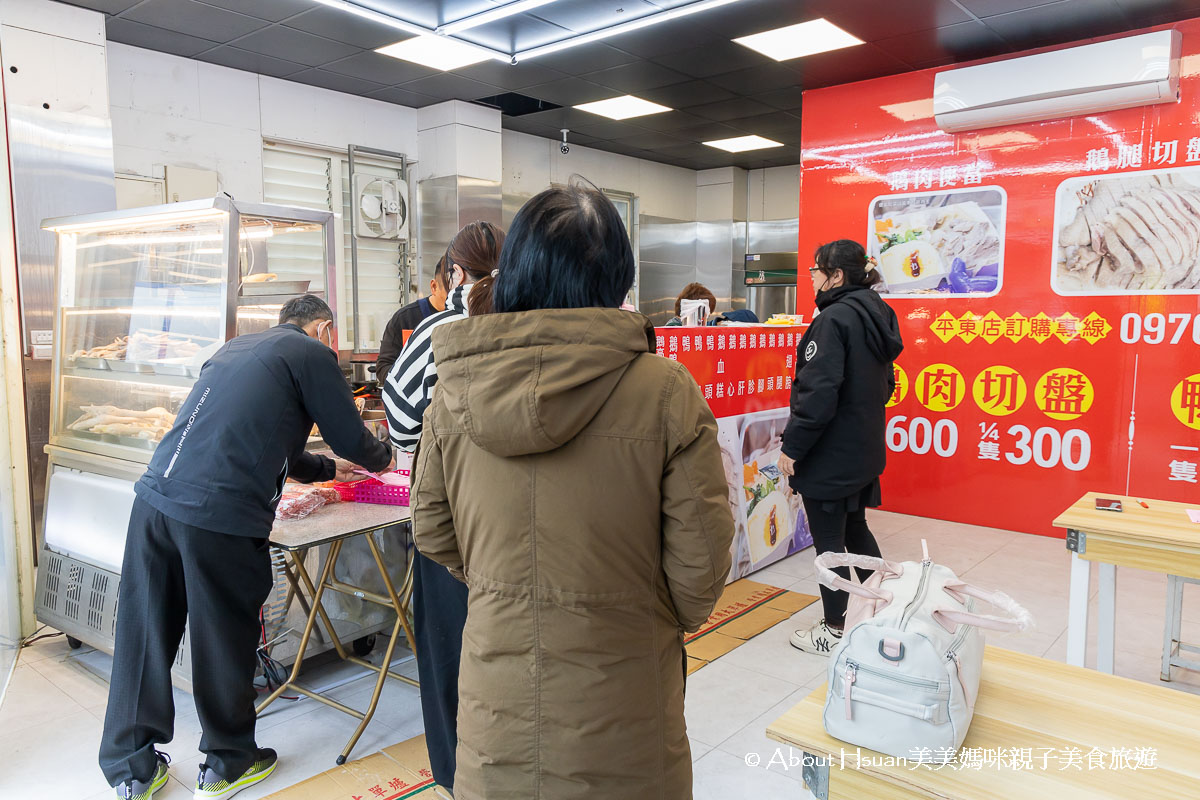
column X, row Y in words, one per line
column 145, row 297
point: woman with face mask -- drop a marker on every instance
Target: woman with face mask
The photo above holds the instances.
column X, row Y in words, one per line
column 833, row 446
column 440, row 601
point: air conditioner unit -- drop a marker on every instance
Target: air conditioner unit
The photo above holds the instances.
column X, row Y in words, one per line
column 1123, row 73
column 380, row 207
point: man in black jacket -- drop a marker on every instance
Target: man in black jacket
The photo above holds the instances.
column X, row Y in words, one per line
column 407, row 319
column 196, row 550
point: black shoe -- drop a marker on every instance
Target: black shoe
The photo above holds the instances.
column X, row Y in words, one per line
column 144, row 790
column 212, row 786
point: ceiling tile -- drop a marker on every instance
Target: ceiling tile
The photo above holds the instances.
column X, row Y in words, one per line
column 449, row 86
column 707, row 132
column 780, row 126
column 848, row 65
column 139, row 35
column 583, row 122
column 270, row 10
column 568, row 91
column 402, row 97
column 194, row 19
column 510, row 76
column 516, row 33
column 228, row 56
column 730, row 109
column 584, row 16
column 334, row 81
column 879, row 19
column 712, row 59
column 670, row 121
column 585, row 58
column 755, row 16
column 371, row 66
column 987, row 8
column 666, row 37
column 1152, row 12
column 343, row 27
column 758, row 79
column 293, row 45
column 786, row 99
column 688, row 93
column 962, row 42
column 1062, row 22
column 107, row 6
column 649, row 141
column 636, row 77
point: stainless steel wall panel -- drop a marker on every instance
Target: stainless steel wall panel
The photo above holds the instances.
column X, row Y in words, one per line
column 444, row 206
column 61, row 157
column 667, row 263
column 772, row 236
column 714, row 248
column 767, row 300
column 737, row 289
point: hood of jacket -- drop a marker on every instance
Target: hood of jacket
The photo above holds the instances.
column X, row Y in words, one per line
column 877, row 318
column 530, row 381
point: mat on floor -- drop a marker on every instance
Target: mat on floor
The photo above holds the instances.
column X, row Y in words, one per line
column 398, row 772
column 745, row 610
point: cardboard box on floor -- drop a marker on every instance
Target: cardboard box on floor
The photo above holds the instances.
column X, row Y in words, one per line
column 745, row 610
column 399, row 772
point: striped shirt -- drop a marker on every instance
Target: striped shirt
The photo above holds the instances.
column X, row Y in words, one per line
column 410, row 381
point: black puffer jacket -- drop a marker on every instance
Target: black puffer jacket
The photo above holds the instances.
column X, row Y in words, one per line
column 843, row 382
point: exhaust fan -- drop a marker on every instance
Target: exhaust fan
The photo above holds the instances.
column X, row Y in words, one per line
column 380, row 207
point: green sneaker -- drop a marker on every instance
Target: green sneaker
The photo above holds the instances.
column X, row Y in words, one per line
column 144, row 790
column 211, row 786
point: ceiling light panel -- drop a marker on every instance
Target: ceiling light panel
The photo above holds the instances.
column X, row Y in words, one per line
column 437, row 52
column 624, row 107
column 804, row 39
column 740, row 144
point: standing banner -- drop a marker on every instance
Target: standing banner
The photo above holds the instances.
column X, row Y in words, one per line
column 746, row 376
column 1047, row 281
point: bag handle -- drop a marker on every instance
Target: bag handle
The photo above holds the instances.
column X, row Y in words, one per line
column 825, row 574
column 1014, row 618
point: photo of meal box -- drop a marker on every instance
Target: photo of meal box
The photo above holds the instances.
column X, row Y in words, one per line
column 931, row 243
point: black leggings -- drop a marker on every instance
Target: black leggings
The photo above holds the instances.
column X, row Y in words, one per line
column 835, row 529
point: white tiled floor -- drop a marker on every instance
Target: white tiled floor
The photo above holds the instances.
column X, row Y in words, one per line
column 51, row 719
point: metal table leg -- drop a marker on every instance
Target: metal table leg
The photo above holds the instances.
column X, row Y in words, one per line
column 1077, row 617
column 1106, row 623
column 397, row 601
column 815, row 770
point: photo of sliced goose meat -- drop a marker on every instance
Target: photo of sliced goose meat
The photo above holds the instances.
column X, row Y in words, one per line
column 1131, row 233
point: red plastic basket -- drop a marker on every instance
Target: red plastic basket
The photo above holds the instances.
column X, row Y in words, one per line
column 370, row 490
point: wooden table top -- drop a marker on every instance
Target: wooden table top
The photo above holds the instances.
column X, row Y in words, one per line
column 335, row 521
column 1030, row 702
column 1164, row 522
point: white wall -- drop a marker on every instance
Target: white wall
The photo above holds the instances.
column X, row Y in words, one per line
column 172, row 110
column 531, row 164
column 773, row 193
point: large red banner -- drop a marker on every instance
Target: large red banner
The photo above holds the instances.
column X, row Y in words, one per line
column 1047, row 279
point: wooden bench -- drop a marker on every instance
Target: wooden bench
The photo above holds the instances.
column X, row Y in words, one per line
column 1158, row 537
column 1024, row 702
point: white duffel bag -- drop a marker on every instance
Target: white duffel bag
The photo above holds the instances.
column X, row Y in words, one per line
column 904, row 678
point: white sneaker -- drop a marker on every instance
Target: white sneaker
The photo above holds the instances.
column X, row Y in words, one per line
column 818, row 640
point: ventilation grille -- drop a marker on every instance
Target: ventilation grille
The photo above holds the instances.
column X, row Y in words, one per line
column 74, row 591
column 95, row 617
column 52, row 565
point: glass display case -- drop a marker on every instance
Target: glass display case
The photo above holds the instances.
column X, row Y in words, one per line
column 146, row 296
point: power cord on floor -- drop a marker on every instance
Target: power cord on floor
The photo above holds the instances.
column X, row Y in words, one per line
column 33, row 637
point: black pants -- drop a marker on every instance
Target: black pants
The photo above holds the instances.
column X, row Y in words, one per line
column 439, row 615
column 216, row 583
column 840, row 526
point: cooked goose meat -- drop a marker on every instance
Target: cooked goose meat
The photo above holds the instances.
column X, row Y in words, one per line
column 1139, row 233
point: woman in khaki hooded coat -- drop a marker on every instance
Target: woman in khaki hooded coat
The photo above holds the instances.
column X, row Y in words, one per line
column 573, row 480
